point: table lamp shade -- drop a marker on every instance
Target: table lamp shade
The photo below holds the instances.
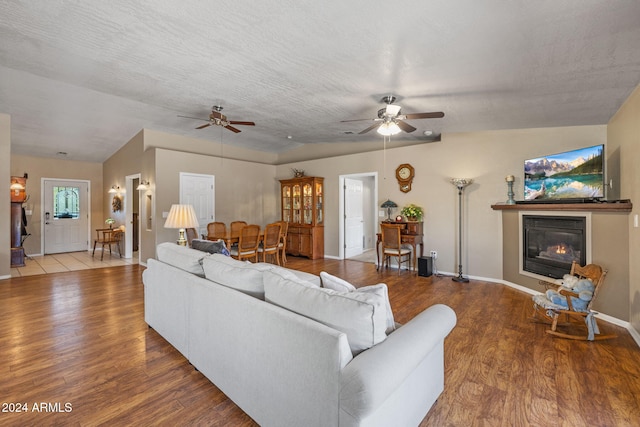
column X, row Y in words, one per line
column 181, row 216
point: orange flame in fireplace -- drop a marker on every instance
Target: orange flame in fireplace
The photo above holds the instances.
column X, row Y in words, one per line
column 561, row 249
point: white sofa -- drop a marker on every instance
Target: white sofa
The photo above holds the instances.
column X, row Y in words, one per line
column 283, row 368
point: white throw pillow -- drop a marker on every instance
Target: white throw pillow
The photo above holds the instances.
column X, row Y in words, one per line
column 360, row 315
column 381, row 290
column 337, row 284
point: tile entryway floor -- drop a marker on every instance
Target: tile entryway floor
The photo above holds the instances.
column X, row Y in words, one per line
column 69, row 261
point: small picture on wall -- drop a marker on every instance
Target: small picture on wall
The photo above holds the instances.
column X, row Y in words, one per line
column 116, row 203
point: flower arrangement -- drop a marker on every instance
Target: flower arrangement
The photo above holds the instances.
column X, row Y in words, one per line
column 110, row 222
column 412, row 211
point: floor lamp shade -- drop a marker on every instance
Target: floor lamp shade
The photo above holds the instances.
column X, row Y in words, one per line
column 181, row 217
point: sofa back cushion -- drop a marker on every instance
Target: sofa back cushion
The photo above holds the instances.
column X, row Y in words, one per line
column 240, row 275
column 182, row 257
column 360, row 315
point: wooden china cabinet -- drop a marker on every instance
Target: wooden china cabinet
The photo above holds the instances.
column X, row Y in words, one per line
column 302, row 201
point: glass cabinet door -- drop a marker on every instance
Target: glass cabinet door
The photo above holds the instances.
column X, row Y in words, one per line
column 319, row 203
column 296, row 196
column 286, row 203
column 307, row 191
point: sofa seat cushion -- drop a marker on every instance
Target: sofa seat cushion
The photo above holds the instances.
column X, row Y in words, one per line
column 362, row 316
column 182, row 257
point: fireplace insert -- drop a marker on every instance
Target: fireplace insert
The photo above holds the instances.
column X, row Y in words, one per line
column 552, row 243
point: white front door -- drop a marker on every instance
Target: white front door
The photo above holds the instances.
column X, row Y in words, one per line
column 353, row 217
column 66, row 215
column 198, row 190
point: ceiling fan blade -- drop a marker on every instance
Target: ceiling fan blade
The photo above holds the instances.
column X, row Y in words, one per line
column 357, row 120
column 235, row 122
column 434, row 115
column 204, row 126
column 405, row 126
column 370, row 128
column 195, row 118
column 232, row 129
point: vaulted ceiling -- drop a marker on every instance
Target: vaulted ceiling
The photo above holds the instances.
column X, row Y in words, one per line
column 84, row 77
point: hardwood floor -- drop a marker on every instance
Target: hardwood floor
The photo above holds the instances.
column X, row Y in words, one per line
column 75, row 346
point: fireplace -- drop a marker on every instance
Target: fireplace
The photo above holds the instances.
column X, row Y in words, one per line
column 551, row 243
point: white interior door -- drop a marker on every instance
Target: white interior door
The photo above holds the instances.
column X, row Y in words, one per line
column 353, row 217
column 66, row 215
column 198, row 190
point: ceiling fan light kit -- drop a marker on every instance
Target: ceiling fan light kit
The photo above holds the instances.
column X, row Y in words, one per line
column 390, row 121
column 390, row 128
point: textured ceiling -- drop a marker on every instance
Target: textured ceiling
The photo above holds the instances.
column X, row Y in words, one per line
column 84, row 77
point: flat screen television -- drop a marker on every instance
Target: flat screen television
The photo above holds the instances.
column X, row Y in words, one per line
column 572, row 175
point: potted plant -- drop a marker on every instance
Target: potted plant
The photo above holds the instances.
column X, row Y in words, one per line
column 412, row 212
column 110, row 222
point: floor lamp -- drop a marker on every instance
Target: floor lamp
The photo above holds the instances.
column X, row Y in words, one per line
column 460, row 183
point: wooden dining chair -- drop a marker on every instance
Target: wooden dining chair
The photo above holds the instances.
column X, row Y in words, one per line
column 216, row 230
column 248, row 242
column 107, row 237
column 282, row 245
column 392, row 245
column 270, row 242
column 192, row 233
column 236, row 226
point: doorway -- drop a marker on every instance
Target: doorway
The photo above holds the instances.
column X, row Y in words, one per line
column 198, row 190
column 132, row 216
column 358, row 213
column 65, row 209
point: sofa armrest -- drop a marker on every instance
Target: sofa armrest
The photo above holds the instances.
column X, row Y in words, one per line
column 371, row 377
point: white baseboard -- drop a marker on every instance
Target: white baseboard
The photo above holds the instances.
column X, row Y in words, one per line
column 5, row 277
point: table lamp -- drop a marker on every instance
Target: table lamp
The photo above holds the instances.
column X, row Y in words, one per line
column 389, row 205
column 181, row 217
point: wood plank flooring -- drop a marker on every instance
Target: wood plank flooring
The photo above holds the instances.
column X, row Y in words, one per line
column 75, row 349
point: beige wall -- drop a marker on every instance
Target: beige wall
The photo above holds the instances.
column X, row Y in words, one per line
column 609, row 242
column 243, row 190
column 5, row 202
column 39, row 168
column 487, row 157
column 126, row 161
column 623, row 134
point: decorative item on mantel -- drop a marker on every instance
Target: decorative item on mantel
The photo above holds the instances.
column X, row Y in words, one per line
column 389, row 205
column 412, row 212
column 460, row 183
column 510, row 194
column 297, row 173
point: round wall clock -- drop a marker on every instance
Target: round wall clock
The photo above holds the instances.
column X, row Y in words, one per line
column 404, row 174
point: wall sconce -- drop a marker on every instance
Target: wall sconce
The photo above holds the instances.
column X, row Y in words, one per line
column 143, row 186
column 15, row 185
column 114, row 189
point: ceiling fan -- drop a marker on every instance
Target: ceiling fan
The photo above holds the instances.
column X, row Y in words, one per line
column 391, row 122
column 219, row 119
